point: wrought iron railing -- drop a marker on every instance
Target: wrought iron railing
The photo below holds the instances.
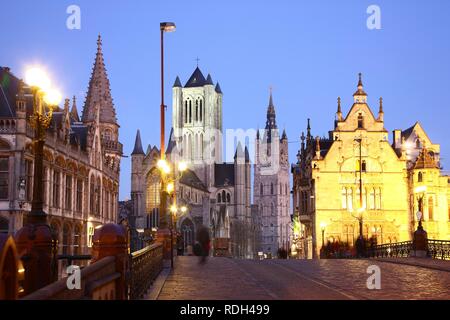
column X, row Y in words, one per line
column 391, row 250
column 439, row 249
column 146, row 264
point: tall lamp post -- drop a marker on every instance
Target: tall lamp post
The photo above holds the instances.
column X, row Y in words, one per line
column 35, row 239
column 162, row 231
column 322, row 227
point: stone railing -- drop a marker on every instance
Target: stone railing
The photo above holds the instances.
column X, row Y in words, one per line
column 113, row 273
column 98, row 282
column 146, row 264
column 439, row 249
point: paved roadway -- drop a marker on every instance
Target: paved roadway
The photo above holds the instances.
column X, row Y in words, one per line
column 224, row 278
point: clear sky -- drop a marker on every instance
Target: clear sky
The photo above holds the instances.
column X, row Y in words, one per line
column 309, row 51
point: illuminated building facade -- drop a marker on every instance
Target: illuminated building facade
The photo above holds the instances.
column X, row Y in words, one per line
column 81, row 161
column 356, row 174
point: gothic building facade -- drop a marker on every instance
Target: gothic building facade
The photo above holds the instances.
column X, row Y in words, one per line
column 355, row 174
column 217, row 194
column 271, row 189
column 81, row 160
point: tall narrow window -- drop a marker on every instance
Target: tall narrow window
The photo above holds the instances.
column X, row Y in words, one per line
column 420, row 177
column 4, row 178
column 360, row 121
column 56, row 190
column 185, row 111
column 79, row 199
column 91, row 196
column 201, row 110
column 349, row 199
column 363, row 169
column 190, row 111
column 372, row 199
column 228, row 198
column 196, row 110
column 344, row 198
column 223, row 196
column 98, row 197
column 430, row 208
column 261, row 189
column 68, row 204
column 219, row 198
column 271, row 188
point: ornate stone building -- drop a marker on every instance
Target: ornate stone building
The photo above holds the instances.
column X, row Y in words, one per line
column 396, row 180
column 81, row 160
column 271, row 189
column 216, row 193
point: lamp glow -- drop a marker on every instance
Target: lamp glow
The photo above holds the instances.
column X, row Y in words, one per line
column 183, row 209
column 36, row 77
column 52, row 97
column 323, row 225
column 182, row 166
column 170, row 187
column 173, row 208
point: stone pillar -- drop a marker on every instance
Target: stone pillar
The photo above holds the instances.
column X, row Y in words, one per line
column 35, row 247
column 111, row 240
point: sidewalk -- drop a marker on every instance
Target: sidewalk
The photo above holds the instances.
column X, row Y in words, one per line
column 155, row 289
column 428, row 263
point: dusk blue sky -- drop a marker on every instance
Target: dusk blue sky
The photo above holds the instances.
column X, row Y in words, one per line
column 309, row 51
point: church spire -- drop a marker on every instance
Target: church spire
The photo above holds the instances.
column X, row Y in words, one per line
column 380, row 111
column 271, row 117
column 138, row 144
column 74, row 110
column 339, row 111
column 99, row 92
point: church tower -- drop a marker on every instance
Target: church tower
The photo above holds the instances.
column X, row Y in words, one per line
column 197, row 124
column 271, row 185
column 99, row 115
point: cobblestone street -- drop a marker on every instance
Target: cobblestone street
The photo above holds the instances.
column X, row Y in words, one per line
column 223, row 278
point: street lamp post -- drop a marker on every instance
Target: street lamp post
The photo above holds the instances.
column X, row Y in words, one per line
column 162, row 231
column 35, row 239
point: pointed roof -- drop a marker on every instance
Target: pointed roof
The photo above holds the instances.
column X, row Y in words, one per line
column 284, row 135
column 171, row 144
column 247, row 155
column 74, row 110
column 271, row 116
column 209, row 80
column 197, row 79
column 138, row 145
column 99, row 92
column 360, row 91
column 218, row 89
column 177, row 83
column 239, row 152
column 149, row 148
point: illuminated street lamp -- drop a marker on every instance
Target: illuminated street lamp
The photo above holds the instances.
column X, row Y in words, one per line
column 38, row 249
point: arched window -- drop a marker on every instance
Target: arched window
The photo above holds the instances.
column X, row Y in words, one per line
column 418, row 143
column 378, row 198
column 430, row 208
column 261, row 189
column 201, row 145
column 420, row 204
column 360, row 121
column 271, row 188
column 363, row 166
column 228, row 198
column 224, row 196
column 420, row 177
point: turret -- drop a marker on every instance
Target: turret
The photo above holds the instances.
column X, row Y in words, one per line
column 339, row 111
column 380, row 111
